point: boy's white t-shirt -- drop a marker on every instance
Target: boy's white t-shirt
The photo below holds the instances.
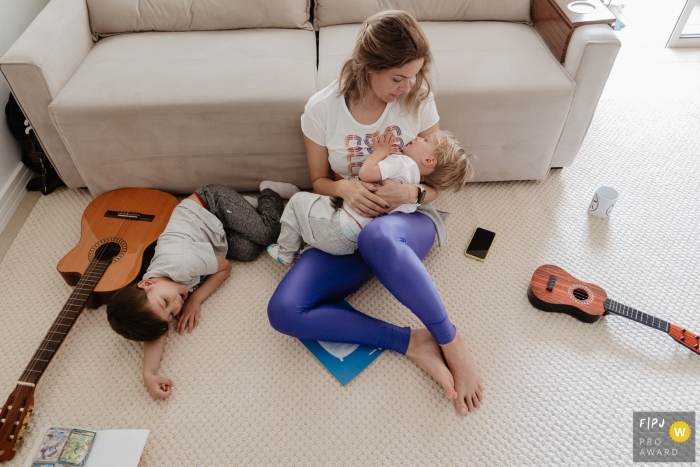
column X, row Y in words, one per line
column 187, row 249
column 327, row 121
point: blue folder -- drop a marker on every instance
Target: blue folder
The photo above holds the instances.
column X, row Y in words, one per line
column 343, row 361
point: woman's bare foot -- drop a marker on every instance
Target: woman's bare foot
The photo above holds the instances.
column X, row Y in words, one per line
column 467, row 380
column 425, row 352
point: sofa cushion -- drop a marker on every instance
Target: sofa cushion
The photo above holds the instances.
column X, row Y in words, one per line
column 109, row 17
column 334, row 12
column 498, row 89
column 180, row 109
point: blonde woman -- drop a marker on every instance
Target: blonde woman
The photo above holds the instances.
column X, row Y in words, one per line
column 384, row 87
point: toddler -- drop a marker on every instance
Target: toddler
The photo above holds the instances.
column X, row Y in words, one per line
column 190, row 262
column 315, row 220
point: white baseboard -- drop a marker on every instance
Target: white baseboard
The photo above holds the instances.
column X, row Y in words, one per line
column 12, row 193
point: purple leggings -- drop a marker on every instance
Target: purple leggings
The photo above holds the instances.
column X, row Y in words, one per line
column 304, row 304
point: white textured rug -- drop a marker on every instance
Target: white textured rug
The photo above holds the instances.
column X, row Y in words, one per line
column 558, row 391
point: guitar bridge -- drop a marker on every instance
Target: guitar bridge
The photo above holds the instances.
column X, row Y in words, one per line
column 130, row 216
column 550, row 282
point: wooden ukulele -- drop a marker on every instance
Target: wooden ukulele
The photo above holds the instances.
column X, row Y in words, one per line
column 117, row 230
column 553, row 289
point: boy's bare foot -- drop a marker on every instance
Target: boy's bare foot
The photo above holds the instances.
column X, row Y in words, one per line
column 425, row 352
column 467, row 380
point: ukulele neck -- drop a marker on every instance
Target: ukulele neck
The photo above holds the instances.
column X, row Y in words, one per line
column 635, row 315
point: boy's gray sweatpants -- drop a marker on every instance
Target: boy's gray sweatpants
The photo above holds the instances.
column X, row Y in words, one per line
column 311, row 218
column 248, row 230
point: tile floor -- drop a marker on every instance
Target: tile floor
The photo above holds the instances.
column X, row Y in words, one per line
column 644, row 69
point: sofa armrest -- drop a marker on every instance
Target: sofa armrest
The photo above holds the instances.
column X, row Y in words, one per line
column 39, row 64
column 589, row 60
column 592, row 48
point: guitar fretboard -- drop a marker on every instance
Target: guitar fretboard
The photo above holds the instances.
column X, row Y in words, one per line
column 64, row 321
column 635, row 315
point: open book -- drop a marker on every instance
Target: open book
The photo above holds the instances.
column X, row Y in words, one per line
column 61, row 446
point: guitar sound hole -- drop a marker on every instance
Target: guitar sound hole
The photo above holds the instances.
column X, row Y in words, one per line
column 108, row 250
column 580, row 294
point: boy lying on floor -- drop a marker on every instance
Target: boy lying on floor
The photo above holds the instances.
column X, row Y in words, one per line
column 190, row 262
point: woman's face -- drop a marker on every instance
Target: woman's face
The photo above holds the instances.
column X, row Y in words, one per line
column 389, row 84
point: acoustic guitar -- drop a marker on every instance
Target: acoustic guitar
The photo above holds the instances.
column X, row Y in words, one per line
column 553, row 289
column 118, row 234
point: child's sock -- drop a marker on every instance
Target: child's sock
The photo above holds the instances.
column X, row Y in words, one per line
column 273, row 250
column 252, row 201
column 285, row 190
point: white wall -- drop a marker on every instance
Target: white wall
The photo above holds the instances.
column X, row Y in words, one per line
column 15, row 16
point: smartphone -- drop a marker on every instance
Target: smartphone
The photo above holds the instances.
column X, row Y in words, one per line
column 480, row 244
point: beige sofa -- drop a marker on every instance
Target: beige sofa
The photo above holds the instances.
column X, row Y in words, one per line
column 174, row 94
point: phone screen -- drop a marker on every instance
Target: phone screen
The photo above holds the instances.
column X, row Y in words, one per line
column 481, row 242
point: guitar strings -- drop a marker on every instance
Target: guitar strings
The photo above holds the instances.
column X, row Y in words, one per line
column 49, row 345
column 122, row 228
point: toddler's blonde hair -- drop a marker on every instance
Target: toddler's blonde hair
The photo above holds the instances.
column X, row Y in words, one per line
column 453, row 169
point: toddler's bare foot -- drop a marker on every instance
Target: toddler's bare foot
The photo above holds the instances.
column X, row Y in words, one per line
column 425, row 352
column 467, row 380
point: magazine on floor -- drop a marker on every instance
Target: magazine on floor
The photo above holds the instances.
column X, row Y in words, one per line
column 62, row 446
column 343, row 361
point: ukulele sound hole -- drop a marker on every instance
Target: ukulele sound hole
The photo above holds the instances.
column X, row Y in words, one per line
column 580, row 294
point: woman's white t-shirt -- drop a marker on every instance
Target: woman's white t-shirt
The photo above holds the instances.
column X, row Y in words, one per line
column 327, row 121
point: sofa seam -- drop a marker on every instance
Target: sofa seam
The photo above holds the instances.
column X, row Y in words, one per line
column 78, row 167
column 170, row 156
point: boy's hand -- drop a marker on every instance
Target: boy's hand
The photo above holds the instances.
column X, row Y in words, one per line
column 158, row 386
column 189, row 316
column 383, row 143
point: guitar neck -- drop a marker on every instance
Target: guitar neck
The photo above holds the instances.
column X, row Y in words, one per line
column 63, row 322
column 635, row 315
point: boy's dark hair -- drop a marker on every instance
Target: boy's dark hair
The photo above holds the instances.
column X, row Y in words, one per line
column 130, row 316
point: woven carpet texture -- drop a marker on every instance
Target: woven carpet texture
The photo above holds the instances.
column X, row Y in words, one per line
column 557, row 391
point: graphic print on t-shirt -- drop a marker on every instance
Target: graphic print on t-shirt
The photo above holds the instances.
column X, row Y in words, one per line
column 357, row 151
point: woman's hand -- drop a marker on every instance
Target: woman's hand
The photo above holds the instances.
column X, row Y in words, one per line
column 361, row 199
column 395, row 193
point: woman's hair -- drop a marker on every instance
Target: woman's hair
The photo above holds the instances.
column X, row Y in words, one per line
column 130, row 316
column 453, row 169
column 388, row 39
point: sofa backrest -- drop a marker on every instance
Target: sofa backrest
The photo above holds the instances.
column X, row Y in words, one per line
column 108, row 17
column 331, row 12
